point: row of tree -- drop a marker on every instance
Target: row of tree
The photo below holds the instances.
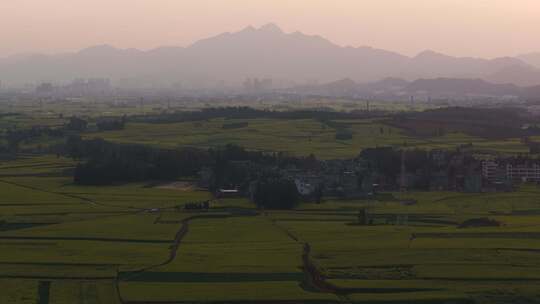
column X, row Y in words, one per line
column 15, row 137
column 105, row 163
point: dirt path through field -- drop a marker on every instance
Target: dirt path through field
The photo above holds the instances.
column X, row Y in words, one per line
column 314, row 277
column 174, row 247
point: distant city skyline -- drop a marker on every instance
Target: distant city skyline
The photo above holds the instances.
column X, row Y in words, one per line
column 477, row 28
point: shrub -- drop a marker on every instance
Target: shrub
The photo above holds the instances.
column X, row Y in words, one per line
column 344, row 134
column 480, row 222
column 276, row 193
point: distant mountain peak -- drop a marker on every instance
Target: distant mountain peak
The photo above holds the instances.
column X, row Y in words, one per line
column 101, row 47
column 271, row 28
column 98, row 50
column 531, row 58
column 345, row 81
column 430, row 54
column 248, row 29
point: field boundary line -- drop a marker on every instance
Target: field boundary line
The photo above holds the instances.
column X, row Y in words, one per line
column 314, row 276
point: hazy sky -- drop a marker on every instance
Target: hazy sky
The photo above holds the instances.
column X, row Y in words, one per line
column 486, row 28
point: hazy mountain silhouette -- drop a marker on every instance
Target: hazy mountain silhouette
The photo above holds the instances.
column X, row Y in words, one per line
column 436, row 88
column 462, row 87
column 265, row 52
column 531, row 58
column 429, row 64
column 521, row 75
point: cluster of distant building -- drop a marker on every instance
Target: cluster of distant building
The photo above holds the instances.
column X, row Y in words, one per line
column 511, row 170
column 78, row 87
column 335, row 178
column 457, row 171
column 256, row 86
column 100, row 87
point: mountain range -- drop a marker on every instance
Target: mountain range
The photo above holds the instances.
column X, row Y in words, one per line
column 446, row 88
column 531, row 58
column 289, row 59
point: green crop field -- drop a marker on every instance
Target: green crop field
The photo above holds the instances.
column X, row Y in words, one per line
column 222, row 292
column 300, row 137
column 133, row 243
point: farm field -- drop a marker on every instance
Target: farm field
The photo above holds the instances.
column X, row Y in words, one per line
column 33, row 112
column 61, row 243
column 300, row 137
column 269, row 152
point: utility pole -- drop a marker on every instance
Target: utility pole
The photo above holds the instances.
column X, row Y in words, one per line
column 404, row 218
column 403, row 178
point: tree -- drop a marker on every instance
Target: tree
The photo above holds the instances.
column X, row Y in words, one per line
column 276, row 193
column 319, row 192
column 363, row 217
column 13, row 140
column 76, row 124
column 385, row 160
column 344, row 134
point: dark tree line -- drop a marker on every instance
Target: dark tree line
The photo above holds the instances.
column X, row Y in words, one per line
column 14, row 137
column 482, row 122
column 344, row 134
column 275, row 192
column 108, row 163
column 105, row 163
column 111, row 124
column 386, row 161
column 236, row 167
column 76, row 124
column 235, row 125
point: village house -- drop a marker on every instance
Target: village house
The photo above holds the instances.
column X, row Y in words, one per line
column 228, row 193
column 307, row 184
column 515, row 170
column 525, row 171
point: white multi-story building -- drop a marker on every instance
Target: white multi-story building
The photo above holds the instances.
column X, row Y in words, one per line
column 491, row 171
column 516, row 171
column 523, row 172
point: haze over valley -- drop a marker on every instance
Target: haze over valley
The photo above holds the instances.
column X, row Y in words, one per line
column 348, row 152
